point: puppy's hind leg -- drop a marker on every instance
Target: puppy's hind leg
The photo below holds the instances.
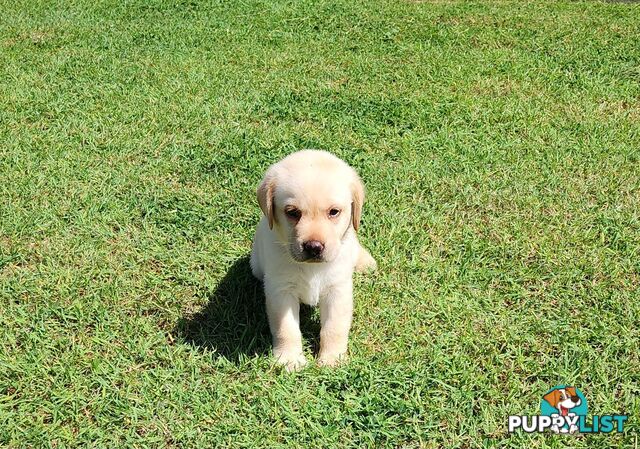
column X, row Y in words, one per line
column 365, row 261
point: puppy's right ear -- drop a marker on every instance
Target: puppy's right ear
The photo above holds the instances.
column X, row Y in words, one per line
column 266, row 191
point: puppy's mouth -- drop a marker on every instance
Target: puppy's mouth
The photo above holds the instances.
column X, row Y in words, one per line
column 564, row 411
column 301, row 257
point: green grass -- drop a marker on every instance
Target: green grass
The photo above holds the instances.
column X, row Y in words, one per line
column 500, row 146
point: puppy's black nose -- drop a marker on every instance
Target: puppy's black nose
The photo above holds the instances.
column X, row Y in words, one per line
column 575, row 399
column 313, row 248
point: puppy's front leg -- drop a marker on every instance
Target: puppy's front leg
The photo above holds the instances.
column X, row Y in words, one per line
column 283, row 310
column 336, row 309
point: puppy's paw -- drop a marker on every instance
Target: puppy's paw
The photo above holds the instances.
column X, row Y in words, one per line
column 327, row 359
column 292, row 361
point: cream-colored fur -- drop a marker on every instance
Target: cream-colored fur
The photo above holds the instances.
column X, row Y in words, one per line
column 299, row 197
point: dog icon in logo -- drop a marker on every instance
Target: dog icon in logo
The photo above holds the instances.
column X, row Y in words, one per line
column 563, row 399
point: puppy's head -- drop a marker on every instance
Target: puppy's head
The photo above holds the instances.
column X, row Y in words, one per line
column 564, row 399
column 311, row 199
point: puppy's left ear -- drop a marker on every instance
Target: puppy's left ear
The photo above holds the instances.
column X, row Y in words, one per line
column 357, row 200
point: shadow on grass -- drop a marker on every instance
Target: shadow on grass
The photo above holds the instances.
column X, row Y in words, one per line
column 234, row 321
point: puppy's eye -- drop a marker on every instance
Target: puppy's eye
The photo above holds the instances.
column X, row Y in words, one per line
column 293, row 213
column 333, row 212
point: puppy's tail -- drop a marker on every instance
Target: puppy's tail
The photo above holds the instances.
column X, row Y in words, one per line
column 365, row 262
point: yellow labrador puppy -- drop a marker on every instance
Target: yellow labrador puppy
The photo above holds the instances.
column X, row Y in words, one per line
column 305, row 250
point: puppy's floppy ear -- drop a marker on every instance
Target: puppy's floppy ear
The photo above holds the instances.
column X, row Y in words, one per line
column 553, row 397
column 357, row 199
column 571, row 391
column 266, row 190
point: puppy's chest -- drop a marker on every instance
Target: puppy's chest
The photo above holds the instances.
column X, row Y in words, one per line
column 311, row 288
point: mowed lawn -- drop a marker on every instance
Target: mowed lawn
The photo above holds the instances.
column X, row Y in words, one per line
column 499, row 143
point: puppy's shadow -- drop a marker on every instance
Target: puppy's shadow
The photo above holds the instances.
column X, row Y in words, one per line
column 234, row 321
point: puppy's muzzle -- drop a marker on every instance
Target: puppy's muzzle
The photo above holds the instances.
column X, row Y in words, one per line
column 313, row 249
